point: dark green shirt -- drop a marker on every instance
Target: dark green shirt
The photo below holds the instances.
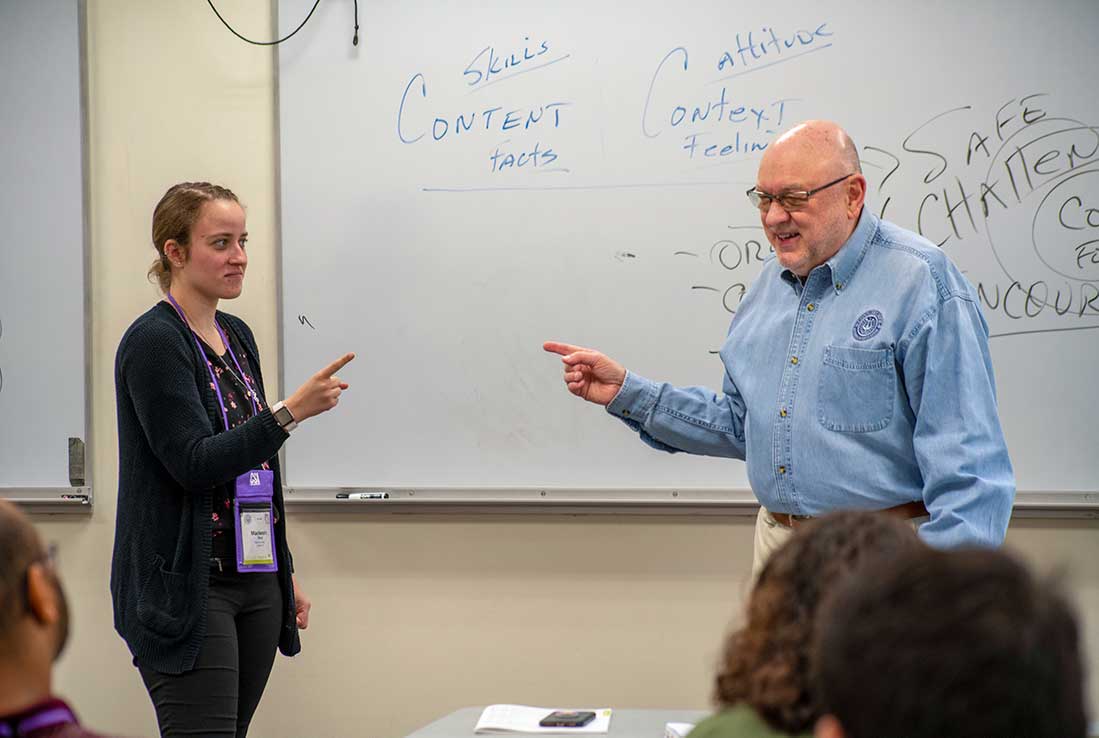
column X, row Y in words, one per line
column 740, row 721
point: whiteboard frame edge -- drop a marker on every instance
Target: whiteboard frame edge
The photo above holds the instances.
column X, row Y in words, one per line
column 50, row 500
column 280, row 324
column 605, row 501
column 86, row 205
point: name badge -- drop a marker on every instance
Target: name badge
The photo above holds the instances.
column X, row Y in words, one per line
column 254, row 518
column 255, row 532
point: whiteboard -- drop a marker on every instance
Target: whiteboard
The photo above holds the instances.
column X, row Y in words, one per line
column 42, row 296
column 475, row 178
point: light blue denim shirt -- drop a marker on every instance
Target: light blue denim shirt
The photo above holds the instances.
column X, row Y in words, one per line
column 867, row 387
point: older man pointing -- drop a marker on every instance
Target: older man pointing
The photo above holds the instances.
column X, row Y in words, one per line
column 857, row 366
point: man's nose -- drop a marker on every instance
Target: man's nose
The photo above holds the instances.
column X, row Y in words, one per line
column 775, row 213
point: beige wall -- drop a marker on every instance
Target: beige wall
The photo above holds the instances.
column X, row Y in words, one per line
column 414, row 616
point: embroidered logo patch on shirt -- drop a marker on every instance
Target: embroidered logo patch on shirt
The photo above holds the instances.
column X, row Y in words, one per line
column 867, row 325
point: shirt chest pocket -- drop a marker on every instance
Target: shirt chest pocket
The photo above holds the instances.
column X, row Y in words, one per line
column 857, row 388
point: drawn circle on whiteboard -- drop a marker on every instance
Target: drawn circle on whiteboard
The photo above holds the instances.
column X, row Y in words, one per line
column 721, row 254
column 1064, row 246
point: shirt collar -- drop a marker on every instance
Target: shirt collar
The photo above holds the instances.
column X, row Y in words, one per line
column 845, row 262
column 847, row 259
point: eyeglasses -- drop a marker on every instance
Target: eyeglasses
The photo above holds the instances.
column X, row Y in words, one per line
column 790, row 201
column 48, row 556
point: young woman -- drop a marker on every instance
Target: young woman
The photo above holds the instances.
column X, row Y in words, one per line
column 201, row 577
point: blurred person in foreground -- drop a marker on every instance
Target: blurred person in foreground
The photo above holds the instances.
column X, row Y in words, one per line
column 34, row 627
column 762, row 684
column 948, row 644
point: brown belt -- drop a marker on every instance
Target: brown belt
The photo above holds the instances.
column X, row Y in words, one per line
column 914, row 509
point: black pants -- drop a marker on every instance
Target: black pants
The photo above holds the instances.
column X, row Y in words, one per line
column 219, row 696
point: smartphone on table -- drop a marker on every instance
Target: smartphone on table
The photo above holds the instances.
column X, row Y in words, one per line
column 567, row 719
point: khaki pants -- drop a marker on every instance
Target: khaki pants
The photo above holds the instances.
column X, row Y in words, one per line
column 770, row 534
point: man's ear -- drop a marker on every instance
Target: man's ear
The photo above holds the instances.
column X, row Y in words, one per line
column 42, row 594
column 828, row 727
column 856, row 195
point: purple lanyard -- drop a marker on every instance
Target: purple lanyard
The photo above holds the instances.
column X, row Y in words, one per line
column 213, row 379
column 49, row 717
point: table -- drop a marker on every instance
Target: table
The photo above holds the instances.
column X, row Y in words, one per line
column 626, row 723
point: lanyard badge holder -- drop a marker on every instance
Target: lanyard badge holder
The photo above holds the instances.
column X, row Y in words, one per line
column 255, row 524
column 253, row 504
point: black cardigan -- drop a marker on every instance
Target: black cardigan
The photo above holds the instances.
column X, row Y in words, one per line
column 171, row 454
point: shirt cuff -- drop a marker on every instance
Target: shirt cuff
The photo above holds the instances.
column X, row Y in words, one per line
column 635, row 399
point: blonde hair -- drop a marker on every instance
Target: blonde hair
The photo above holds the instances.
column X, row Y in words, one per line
column 173, row 218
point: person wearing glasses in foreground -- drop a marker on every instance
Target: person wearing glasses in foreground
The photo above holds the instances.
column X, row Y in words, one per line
column 857, row 369
column 34, row 628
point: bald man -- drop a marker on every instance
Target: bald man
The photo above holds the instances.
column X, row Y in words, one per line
column 34, row 625
column 857, row 367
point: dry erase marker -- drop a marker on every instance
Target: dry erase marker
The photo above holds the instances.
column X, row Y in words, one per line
column 362, row 496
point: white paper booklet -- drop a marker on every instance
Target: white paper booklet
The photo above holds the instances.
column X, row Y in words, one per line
column 508, row 719
column 677, row 730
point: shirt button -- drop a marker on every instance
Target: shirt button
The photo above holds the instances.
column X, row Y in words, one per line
column 782, row 470
column 626, row 413
column 810, row 307
column 782, row 413
column 839, row 285
column 793, row 359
